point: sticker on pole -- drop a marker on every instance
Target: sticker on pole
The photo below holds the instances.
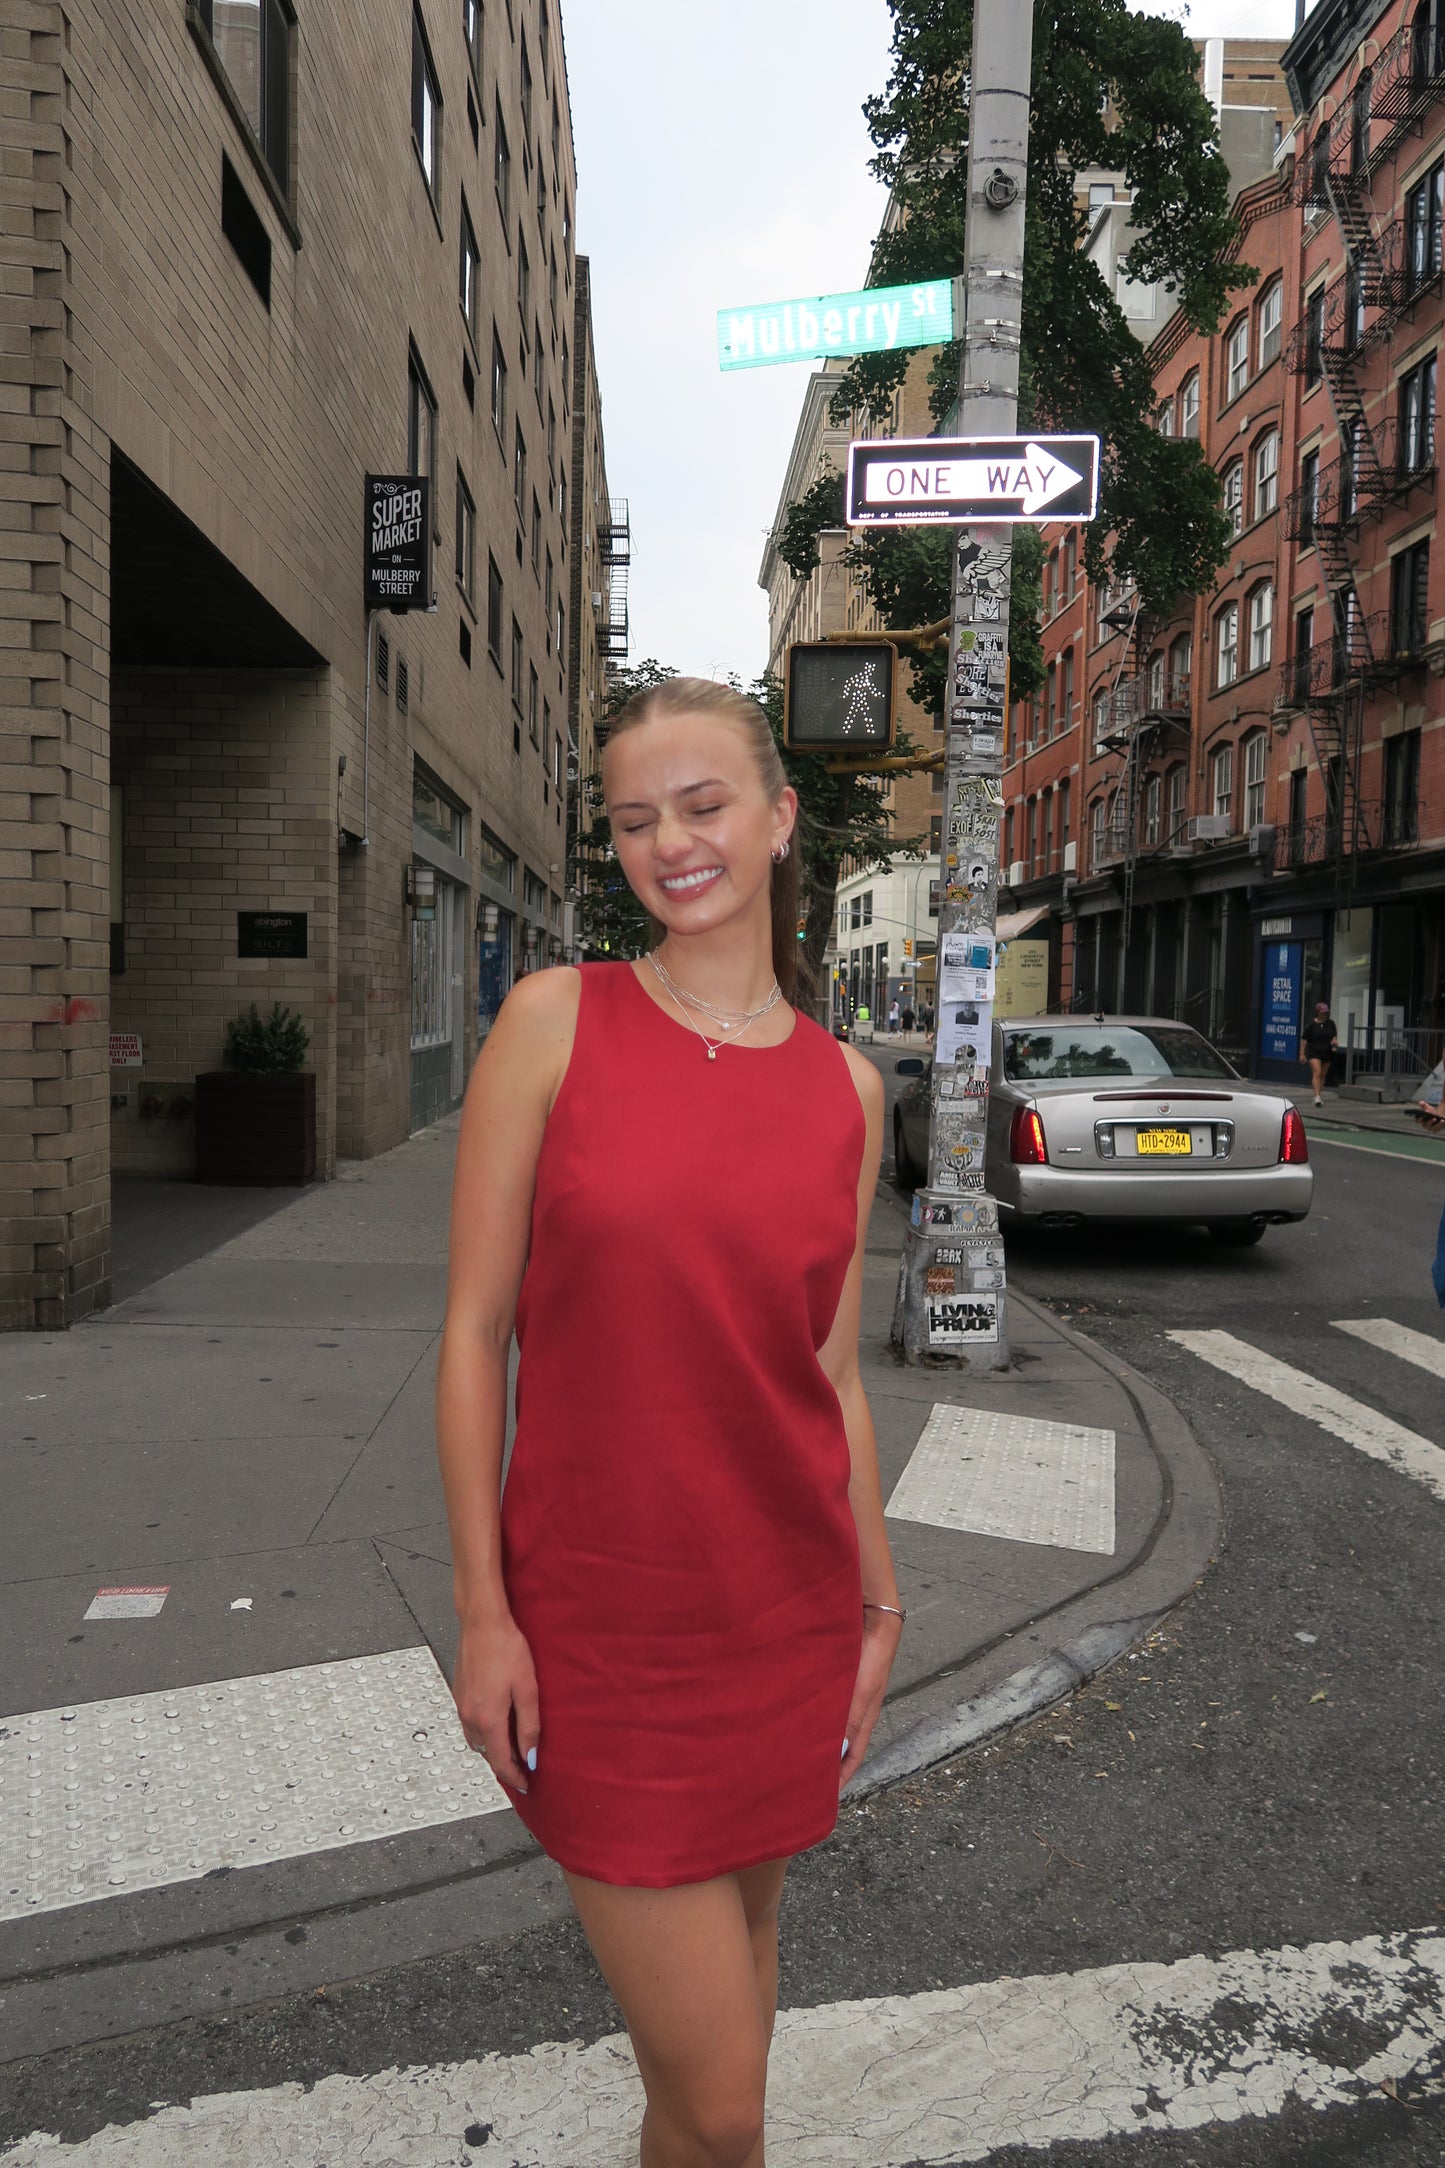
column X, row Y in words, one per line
column 965, row 1320
column 967, row 481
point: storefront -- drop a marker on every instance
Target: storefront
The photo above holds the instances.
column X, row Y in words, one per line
column 439, row 887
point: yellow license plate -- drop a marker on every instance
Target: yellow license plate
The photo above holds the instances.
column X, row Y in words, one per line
column 1165, row 1143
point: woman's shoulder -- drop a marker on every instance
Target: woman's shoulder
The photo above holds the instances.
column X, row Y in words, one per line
column 546, row 997
column 866, row 1079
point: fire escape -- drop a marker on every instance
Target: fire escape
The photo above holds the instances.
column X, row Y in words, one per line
column 1389, row 271
column 614, row 547
column 1143, row 710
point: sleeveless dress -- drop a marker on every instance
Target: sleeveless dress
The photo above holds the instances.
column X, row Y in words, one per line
column 677, row 1543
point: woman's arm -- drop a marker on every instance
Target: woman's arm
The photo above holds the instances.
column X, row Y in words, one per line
column 510, row 1094
column 839, row 1359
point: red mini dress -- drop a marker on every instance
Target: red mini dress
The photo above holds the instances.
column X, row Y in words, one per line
column 678, row 1546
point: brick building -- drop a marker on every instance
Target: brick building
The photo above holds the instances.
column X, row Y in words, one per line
column 600, row 552
column 257, row 256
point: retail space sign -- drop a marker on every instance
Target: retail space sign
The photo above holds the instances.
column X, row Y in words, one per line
column 1279, row 1016
column 969, row 481
column 878, row 320
column 398, row 532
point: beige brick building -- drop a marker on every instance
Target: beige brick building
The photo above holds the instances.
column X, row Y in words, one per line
column 252, row 257
column 600, row 556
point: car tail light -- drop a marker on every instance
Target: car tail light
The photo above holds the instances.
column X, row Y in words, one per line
column 1294, row 1150
column 1026, row 1147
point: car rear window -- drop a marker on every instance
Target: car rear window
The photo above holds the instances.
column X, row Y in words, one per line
column 1109, row 1050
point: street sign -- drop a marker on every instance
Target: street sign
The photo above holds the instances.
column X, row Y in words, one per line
column 398, row 531
column 968, row 481
column 838, row 696
column 875, row 321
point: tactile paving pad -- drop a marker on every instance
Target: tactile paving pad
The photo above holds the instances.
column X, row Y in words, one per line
column 113, row 1796
column 1012, row 1476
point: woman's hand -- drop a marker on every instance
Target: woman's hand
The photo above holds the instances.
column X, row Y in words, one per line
column 493, row 1677
column 881, row 1635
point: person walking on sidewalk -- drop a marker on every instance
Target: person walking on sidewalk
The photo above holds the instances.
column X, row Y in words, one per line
column 1317, row 1046
column 679, row 1620
column 893, row 1018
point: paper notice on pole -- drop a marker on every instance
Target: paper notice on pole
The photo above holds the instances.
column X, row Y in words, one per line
column 966, row 967
column 965, row 1033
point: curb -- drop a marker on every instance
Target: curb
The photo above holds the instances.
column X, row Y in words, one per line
column 1087, row 1634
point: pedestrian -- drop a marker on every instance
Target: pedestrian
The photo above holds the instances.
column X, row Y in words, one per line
column 928, row 1018
column 678, row 1622
column 907, row 1017
column 1432, row 1094
column 1317, row 1045
column 893, row 1018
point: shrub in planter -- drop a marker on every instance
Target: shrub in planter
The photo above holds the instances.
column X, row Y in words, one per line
column 256, row 1116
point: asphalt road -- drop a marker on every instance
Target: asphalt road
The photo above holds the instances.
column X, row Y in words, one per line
column 1270, row 1771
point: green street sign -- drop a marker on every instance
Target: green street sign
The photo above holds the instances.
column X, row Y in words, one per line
column 875, row 321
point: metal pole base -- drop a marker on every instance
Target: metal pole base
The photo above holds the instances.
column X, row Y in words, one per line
column 951, row 1308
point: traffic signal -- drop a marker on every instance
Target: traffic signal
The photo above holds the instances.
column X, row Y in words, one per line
column 908, row 948
column 839, row 696
column 802, row 929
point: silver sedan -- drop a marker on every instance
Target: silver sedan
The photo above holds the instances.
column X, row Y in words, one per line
column 1120, row 1118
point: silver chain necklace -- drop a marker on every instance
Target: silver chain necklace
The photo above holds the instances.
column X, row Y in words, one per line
column 732, row 1023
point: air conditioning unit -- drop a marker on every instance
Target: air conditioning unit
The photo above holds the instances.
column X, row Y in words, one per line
column 1261, row 839
column 1209, row 828
column 1071, row 858
column 1016, row 873
column 596, row 600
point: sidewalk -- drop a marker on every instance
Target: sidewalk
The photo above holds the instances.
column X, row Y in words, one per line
column 253, row 1434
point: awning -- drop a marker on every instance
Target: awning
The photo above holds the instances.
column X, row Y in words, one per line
column 1012, row 923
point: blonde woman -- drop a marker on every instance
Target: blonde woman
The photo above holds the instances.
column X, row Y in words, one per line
column 678, row 1623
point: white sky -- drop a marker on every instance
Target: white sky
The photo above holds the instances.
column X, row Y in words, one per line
column 722, row 159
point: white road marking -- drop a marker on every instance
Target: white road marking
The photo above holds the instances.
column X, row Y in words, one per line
column 1335, row 1412
column 1401, row 1340
column 113, row 1796
column 1012, row 1476
column 953, row 2075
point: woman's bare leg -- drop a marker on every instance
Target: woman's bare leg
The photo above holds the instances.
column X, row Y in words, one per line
column 682, row 1964
column 762, row 1889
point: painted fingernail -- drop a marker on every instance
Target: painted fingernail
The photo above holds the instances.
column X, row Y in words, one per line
column 531, row 1757
column 844, row 1755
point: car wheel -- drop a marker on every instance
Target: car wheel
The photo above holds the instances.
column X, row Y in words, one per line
column 905, row 1174
column 1237, row 1234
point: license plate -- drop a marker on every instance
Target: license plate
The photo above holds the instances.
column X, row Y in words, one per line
column 1165, row 1143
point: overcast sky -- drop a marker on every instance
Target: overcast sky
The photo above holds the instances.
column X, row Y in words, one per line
column 722, row 159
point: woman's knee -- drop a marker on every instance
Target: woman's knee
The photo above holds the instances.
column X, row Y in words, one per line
column 723, row 2129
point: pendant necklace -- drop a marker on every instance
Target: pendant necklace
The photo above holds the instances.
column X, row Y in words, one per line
column 732, row 1022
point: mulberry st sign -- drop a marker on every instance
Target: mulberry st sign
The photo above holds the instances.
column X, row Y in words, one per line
column 876, row 321
column 968, row 481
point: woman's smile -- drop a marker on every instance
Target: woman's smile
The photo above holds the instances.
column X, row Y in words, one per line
column 682, row 884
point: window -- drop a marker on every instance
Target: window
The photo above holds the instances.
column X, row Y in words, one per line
column 1309, row 498
column 524, row 282
column 519, row 473
column 517, row 662
column 383, row 661
column 1189, row 406
column 1050, row 581
column 1360, row 121
column 1071, row 565
column 1176, row 783
column 1269, row 319
column 1232, row 488
column 1063, row 812
column 242, row 225
column 499, row 386
column 1096, row 833
column 1156, row 683
column 421, row 423
column 547, row 589
column 472, row 34
column 536, row 536
column 1416, row 443
column 494, row 610
column 1226, row 646
column 556, row 141
column 1266, row 474
column 1101, row 716
column 1032, row 860
column 1402, row 788
column 1261, row 627
column 502, row 168
column 1314, row 336
column 1423, row 208
column 426, row 102
column 1354, row 317
column 468, row 273
column 537, row 361
column 1164, row 422
column 1066, row 683
column 1221, row 783
column 431, row 973
column 1299, row 789
column 1050, row 678
column 1409, row 598
column 1256, row 754
column 1153, row 814
column 1304, row 640
column 1181, row 657
column 533, row 690
column 1236, row 358
column 466, row 540
column 541, row 195
column 526, row 92
column 252, row 41
column 544, row 38
column 552, row 281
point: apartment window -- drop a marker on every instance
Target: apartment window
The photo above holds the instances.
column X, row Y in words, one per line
column 536, row 536
column 537, row 361
column 1256, row 754
column 1050, row 678
column 1417, row 418
column 1189, row 406
column 1236, row 358
column 502, row 168
column 552, row 281
column 1221, row 783
column 252, row 42
column 1181, row 657
column 551, row 433
column 1114, row 825
column 1423, row 208
column 1266, row 474
column 1164, row 421
column 556, row 141
column 494, row 610
column 561, row 630
column 469, row 272
column 383, row 661
column 526, row 73
column 1232, row 489
column 541, row 196
column 1033, row 856
column 547, row 588
column 1153, row 810
column 1270, row 317
column 1071, row 565
column 1309, row 498
column 1314, row 336
column 1066, row 682
column 1063, row 795
column 1299, row 788
column 472, row 34
column 1402, row 788
column 1156, row 683
column 1409, row 598
column 1096, row 833
column 1176, row 784
column 517, row 666
column 1226, row 635
column 1354, row 316
column 519, row 473
column 499, row 386
column 1050, row 583
column 1101, row 717
column 421, row 424
column 466, row 540
column 1261, row 626
column 524, row 282
column 533, row 693
column 426, row 102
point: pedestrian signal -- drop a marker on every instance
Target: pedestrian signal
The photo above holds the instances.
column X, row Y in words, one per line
column 839, row 696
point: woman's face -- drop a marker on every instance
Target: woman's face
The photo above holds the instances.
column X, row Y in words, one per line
column 693, row 827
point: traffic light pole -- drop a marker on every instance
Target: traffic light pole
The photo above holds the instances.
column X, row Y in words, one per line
column 952, row 1305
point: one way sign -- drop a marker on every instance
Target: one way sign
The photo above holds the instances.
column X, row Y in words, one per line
column 969, row 480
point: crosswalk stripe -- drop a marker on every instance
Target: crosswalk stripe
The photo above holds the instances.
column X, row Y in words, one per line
column 1335, row 1412
column 1401, row 1340
column 953, row 2075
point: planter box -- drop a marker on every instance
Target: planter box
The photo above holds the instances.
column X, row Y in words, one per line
column 256, row 1129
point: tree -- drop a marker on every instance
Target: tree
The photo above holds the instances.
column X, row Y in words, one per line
column 1111, row 89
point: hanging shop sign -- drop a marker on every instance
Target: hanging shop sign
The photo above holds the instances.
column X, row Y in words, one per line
column 397, row 538
column 969, row 481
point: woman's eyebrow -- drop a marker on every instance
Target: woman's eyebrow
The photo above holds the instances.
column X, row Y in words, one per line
column 641, row 805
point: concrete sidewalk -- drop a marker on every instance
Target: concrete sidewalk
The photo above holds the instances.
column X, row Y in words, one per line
column 253, row 1433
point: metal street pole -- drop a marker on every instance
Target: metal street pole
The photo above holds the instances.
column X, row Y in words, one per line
column 951, row 1293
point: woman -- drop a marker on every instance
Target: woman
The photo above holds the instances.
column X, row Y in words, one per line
column 1317, row 1046
column 677, row 1628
